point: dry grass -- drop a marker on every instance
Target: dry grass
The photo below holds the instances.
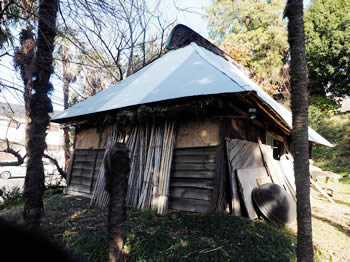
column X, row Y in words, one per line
column 331, row 224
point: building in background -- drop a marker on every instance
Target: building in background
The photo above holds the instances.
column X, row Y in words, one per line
column 12, row 128
column 345, row 106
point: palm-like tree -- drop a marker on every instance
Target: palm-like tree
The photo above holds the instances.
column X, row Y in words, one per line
column 40, row 107
column 294, row 12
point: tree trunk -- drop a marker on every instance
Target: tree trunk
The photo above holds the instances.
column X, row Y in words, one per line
column 117, row 168
column 294, row 12
column 67, row 78
column 23, row 60
column 40, row 107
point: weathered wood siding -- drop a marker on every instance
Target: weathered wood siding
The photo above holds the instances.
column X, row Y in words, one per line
column 91, row 138
column 87, row 138
column 83, row 172
column 192, row 179
column 197, row 133
column 245, row 130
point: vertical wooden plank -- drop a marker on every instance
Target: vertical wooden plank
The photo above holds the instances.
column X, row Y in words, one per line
column 70, row 168
column 232, row 147
column 268, row 163
column 247, row 179
column 287, row 169
column 93, row 170
column 241, row 154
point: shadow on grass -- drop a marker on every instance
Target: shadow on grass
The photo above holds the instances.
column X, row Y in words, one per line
column 345, row 180
column 178, row 236
column 342, row 202
column 334, row 224
column 206, row 237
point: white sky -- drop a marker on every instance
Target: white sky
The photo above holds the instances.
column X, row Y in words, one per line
column 191, row 17
column 188, row 12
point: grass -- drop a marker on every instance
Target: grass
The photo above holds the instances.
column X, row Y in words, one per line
column 194, row 237
column 10, row 197
column 330, row 224
column 177, row 236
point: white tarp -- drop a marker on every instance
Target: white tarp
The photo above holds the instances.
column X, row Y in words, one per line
column 184, row 72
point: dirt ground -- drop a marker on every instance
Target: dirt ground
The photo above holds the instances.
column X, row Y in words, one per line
column 331, row 224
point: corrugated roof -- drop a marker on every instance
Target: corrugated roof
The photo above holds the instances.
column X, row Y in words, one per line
column 184, row 72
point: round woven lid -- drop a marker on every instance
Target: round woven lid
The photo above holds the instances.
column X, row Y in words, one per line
column 274, row 203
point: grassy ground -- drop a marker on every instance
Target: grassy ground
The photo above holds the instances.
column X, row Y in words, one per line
column 195, row 237
column 331, row 224
column 177, row 236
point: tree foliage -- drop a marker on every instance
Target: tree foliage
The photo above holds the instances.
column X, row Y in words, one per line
column 8, row 18
column 253, row 33
column 327, row 30
column 336, row 129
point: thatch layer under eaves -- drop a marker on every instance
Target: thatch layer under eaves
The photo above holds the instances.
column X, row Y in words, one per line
column 192, row 68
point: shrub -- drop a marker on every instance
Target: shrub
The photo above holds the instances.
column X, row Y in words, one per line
column 336, row 129
column 10, row 197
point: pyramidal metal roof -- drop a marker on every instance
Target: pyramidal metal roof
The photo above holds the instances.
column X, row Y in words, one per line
column 184, row 72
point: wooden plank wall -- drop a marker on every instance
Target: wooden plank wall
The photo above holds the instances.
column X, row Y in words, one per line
column 197, row 133
column 84, row 170
column 243, row 129
column 192, row 179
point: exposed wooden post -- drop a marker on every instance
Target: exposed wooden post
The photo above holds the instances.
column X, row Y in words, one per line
column 218, row 198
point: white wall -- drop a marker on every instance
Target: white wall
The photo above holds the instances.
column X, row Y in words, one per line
column 13, row 129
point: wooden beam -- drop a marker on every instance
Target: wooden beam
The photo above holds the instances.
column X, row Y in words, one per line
column 277, row 137
column 191, row 205
column 279, row 121
column 191, row 193
column 193, row 174
column 323, row 193
column 230, row 117
column 246, row 115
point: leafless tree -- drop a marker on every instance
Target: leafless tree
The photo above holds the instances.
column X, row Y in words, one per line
column 118, row 36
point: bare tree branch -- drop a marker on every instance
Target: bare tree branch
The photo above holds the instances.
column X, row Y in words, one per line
column 5, row 7
column 54, row 161
column 9, row 150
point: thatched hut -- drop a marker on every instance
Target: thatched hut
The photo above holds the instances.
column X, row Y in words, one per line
column 191, row 119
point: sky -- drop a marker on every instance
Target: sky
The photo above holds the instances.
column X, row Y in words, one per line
column 188, row 12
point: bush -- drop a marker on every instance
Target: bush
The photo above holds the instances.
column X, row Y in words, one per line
column 10, row 197
column 325, row 104
column 336, row 129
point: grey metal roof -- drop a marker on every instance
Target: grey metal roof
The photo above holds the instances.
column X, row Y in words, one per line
column 184, row 72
